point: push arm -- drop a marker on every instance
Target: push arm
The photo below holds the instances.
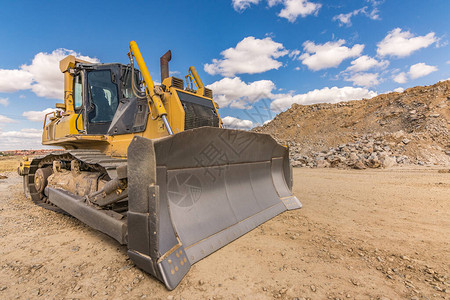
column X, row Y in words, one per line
column 152, row 92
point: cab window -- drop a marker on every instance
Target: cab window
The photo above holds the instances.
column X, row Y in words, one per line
column 127, row 90
column 77, row 92
column 103, row 96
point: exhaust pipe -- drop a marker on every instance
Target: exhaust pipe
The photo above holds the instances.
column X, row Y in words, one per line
column 164, row 62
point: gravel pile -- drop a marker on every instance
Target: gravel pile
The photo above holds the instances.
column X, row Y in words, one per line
column 412, row 127
column 369, row 151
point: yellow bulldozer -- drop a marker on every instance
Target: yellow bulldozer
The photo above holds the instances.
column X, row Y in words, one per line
column 151, row 166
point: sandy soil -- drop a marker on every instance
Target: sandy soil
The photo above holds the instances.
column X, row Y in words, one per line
column 372, row 234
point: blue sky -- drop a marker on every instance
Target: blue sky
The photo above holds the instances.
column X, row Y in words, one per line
column 255, row 54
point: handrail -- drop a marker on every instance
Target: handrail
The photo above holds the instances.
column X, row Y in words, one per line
column 45, row 118
column 198, row 81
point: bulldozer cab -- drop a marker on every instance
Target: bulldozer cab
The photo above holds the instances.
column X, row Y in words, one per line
column 100, row 91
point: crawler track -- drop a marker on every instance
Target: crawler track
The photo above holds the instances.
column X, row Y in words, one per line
column 89, row 159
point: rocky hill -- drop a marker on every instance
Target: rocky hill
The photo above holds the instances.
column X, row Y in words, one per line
column 411, row 127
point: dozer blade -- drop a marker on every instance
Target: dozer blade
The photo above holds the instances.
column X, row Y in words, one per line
column 196, row 191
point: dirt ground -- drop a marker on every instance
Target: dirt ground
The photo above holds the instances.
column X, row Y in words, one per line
column 372, row 234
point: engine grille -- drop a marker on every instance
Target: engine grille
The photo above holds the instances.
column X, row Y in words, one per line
column 199, row 111
column 177, row 83
column 199, row 116
column 208, row 93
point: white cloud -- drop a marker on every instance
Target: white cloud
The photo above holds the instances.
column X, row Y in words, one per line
column 4, row 101
column 420, row 70
column 235, row 123
column 374, row 14
column 5, row 119
column 328, row 55
column 251, row 55
column 47, row 75
column 364, row 79
column 28, row 138
column 356, row 72
column 364, row 63
column 327, row 95
column 345, row 19
column 24, row 133
column 37, row 116
column 399, row 90
column 294, row 8
column 42, row 76
column 241, row 5
column 401, row 77
column 294, row 54
column 400, row 43
column 274, row 2
column 291, row 11
column 15, row 80
column 236, row 93
column 442, row 80
column 415, row 71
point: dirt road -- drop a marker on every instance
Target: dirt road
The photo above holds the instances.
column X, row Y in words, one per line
column 372, row 234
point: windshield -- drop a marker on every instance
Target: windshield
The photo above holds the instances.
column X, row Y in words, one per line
column 103, row 95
